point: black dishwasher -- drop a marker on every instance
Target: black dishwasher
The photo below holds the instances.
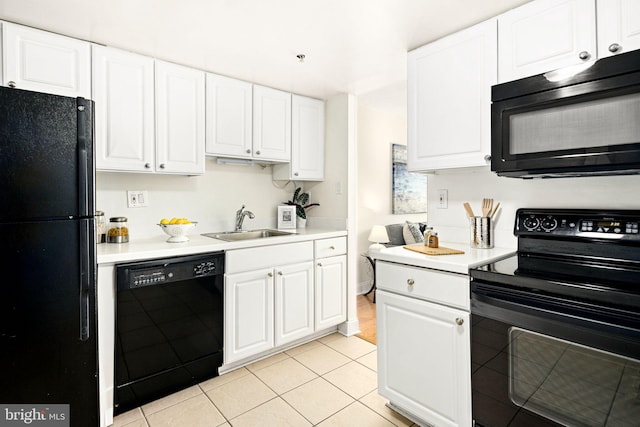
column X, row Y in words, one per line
column 169, row 326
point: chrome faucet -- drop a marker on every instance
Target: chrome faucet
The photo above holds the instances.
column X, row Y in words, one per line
column 240, row 214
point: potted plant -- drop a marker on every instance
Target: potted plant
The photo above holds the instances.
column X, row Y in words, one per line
column 301, row 201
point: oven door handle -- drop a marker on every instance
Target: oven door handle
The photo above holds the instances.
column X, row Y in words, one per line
column 587, row 323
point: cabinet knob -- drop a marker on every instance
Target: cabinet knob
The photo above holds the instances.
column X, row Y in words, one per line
column 333, row 248
column 459, row 321
column 258, row 152
column 584, row 55
column 614, row 47
column 487, row 158
column 161, row 165
column 279, row 273
column 410, row 282
column 11, row 83
column 147, row 165
column 248, row 151
column 296, row 174
column 270, row 274
column 319, row 264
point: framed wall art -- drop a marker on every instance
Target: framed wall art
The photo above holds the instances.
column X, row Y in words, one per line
column 409, row 188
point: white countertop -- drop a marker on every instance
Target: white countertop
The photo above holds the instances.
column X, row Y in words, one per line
column 158, row 247
column 459, row 263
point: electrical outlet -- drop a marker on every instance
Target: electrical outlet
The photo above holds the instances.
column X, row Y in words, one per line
column 443, row 199
column 137, row 199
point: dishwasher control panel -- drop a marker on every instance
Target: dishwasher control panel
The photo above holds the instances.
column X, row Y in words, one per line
column 167, row 270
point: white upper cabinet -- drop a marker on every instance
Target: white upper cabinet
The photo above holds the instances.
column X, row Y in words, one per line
column 229, row 113
column 618, row 26
column 449, row 100
column 123, row 92
column 545, row 35
column 45, row 62
column 307, row 142
column 180, row 119
column 271, row 124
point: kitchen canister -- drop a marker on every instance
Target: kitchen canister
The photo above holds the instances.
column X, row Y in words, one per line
column 481, row 232
column 118, row 230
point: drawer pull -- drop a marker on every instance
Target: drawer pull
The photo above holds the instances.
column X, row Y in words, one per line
column 410, row 282
column 459, row 321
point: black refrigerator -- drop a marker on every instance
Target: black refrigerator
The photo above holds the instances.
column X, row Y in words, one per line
column 48, row 340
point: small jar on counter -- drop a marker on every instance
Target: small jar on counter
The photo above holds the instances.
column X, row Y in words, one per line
column 118, row 230
column 433, row 240
column 101, row 227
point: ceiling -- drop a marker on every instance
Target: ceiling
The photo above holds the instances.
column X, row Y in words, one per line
column 350, row 46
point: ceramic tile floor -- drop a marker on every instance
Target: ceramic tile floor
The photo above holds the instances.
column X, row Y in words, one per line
column 328, row 382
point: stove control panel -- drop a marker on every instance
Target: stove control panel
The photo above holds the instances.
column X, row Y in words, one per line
column 580, row 223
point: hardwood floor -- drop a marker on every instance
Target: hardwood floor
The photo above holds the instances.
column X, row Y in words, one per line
column 367, row 318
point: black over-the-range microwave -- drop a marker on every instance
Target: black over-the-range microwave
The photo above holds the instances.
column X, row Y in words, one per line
column 582, row 125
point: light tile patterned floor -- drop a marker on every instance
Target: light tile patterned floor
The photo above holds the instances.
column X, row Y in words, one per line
column 327, row 382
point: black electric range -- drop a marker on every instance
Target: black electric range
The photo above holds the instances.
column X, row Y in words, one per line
column 556, row 327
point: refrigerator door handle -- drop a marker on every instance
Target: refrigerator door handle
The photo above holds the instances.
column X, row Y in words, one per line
column 87, row 276
column 85, row 138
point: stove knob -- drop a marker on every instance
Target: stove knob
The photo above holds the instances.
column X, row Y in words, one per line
column 549, row 223
column 531, row 223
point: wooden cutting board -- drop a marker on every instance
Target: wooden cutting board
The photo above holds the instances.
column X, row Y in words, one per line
column 433, row 251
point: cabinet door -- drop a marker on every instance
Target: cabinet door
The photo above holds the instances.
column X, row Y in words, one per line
column 331, row 291
column 124, row 110
column 293, row 302
column 180, row 103
column 249, row 324
column 307, row 141
column 271, row 124
column 424, row 357
column 229, row 112
column 45, row 62
column 545, row 35
column 449, row 100
column 618, row 26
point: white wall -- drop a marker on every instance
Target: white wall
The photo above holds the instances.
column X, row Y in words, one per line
column 619, row 192
column 377, row 131
column 211, row 199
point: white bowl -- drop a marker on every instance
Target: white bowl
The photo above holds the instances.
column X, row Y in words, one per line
column 178, row 232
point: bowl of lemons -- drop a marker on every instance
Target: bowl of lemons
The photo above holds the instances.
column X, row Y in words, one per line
column 177, row 228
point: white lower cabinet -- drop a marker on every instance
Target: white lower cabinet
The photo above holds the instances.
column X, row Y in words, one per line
column 248, row 302
column 267, row 298
column 424, row 366
column 277, row 294
column 293, row 302
column 331, row 291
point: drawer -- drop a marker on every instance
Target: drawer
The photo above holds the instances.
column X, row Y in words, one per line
column 249, row 259
column 441, row 287
column 330, row 247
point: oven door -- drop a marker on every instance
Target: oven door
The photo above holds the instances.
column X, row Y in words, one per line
column 540, row 360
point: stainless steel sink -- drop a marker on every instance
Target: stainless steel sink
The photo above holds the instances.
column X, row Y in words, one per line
column 234, row 236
